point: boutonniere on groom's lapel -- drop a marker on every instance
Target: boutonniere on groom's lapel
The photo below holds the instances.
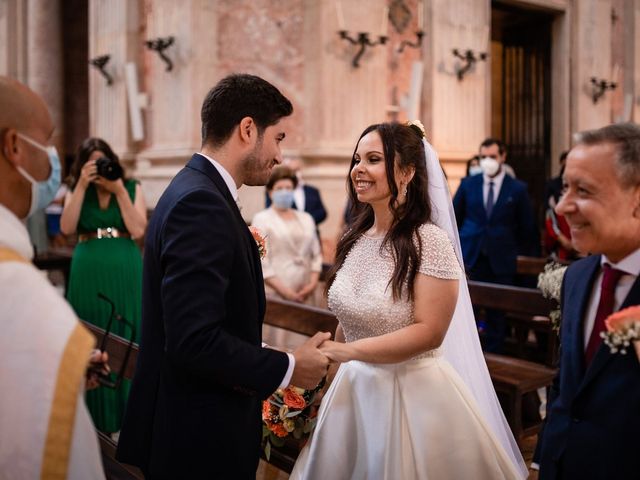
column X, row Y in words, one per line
column 261, row 241
column 623, row 330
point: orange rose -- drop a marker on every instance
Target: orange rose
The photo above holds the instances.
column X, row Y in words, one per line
column 279, row 430
column 293, row 399
column 622, row 319
column 266, row 410
column 260, row 241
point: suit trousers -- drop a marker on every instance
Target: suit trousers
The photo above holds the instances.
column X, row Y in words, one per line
column 495, row 331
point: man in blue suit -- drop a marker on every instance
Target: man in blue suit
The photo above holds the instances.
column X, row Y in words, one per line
column 495, row 222
column 195, row 405
column 592, row 429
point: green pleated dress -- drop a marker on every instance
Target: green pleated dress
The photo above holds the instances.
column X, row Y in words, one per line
column 112, row 266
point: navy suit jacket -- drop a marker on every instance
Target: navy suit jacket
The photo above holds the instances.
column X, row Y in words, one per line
column 195, row 405
column 592, row 428
column 503, row 236
column 312, row 203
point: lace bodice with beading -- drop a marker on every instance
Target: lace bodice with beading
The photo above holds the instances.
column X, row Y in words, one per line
column 361, row 296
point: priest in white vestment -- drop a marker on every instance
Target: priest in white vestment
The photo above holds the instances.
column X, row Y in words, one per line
column 45, row 428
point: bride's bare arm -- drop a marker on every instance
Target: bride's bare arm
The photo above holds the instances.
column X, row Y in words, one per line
column 434, row 304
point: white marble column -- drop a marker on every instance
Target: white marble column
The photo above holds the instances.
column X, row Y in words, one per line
column 175, row 97
column 456, row 112
column 13, row 39
column 45, row 70
column 339, row 100
column 113, row 30
column 590, row 57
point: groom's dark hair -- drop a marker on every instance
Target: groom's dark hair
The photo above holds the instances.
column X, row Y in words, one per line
column 235, row 97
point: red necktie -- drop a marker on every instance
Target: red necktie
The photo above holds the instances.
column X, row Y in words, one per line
column 610, row 277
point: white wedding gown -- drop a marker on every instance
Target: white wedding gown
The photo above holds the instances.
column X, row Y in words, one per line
column 411, row 420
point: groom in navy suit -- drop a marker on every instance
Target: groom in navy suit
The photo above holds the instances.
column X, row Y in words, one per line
column 592, row 430
column 495, row 222
column 202, row 372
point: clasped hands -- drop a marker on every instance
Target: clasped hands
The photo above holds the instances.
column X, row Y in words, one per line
column 315, row 357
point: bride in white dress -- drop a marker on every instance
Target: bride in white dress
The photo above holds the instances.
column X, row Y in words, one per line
column 412, row 398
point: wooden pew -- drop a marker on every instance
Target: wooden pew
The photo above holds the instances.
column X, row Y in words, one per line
column 526, row 310
column 117, row 348
column 56, row 259
column 514, row 378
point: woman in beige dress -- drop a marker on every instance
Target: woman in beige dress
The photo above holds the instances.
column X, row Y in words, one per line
column 293, row 262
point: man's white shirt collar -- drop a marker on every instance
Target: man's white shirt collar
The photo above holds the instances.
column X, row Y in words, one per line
column 629, row 264
column 226, row 176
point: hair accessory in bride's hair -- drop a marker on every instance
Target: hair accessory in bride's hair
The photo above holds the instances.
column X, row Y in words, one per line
column 418, row 127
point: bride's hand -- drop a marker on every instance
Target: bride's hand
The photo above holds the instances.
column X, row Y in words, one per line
column 336, row 351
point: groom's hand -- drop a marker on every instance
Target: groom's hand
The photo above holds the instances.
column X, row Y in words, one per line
column 311, row 364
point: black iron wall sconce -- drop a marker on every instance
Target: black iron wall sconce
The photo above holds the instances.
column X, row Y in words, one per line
column 416, row 44
column 159, row 45
column 363, row 41
column 469, row 57
column 419, row 31
column 600, row 87
column 100, row 63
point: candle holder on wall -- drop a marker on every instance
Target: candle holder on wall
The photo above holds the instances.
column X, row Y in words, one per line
column 363, row 41
column 470, row 58
column 100, row 63
column 600, row 86
column 159, row 45
column 416, row 44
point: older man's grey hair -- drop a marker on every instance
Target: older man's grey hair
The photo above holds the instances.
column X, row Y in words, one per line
column 626, row 138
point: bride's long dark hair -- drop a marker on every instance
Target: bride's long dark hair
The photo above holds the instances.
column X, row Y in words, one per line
column 402, row 146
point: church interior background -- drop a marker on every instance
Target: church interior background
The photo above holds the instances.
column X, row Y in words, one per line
column 135, row 72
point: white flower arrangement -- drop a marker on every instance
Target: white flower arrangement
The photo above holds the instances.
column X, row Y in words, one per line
column 550, row 283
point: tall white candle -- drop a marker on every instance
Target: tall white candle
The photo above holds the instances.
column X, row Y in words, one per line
column 616, row 73
column 385, row 21
column 340, row 17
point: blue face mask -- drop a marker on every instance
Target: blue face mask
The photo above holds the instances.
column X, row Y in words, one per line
column 282, row 199
column 42, row 193
column 475, row 170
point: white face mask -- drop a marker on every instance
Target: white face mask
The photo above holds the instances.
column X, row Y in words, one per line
column 490, row 166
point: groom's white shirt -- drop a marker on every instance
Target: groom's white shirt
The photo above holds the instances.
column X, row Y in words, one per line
column 231, row 185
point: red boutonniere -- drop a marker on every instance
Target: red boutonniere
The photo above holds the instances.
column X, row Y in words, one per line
column 261, row 242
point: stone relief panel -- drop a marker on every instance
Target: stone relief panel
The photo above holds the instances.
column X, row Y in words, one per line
column 265, row 38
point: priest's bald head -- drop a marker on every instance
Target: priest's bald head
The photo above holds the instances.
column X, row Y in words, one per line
column 25, row 128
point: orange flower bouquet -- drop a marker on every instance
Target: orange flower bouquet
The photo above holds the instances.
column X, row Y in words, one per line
column 288, row 412
column 623, row 330
column 261, row 241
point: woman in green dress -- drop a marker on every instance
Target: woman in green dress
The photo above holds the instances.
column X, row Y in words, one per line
column 108, row 216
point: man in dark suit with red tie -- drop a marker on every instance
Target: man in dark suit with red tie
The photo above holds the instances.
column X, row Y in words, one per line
column 592, row 429
column 202, row 372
